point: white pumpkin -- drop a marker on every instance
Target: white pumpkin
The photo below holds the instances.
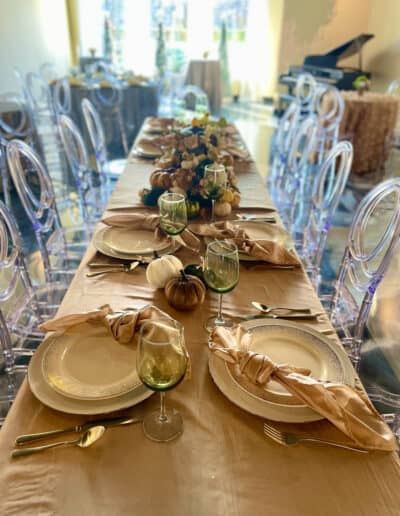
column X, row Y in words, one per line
column 162, row 269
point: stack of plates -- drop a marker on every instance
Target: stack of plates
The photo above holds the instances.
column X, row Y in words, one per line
column 285, row 343
column 90, row 375
column 146, row 150
column 128, row 244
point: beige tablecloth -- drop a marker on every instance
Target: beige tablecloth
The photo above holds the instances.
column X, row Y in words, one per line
column 222, row 464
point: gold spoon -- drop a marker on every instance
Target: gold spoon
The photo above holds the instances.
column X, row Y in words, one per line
column 267, row 309
column 126, row 268
column 86, row 439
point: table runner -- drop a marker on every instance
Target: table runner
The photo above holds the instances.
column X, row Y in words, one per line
column 222, row 464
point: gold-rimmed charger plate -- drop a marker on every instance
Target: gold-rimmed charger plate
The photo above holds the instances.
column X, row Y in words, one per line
column 147, row 150
column 133, row 241
column 53, row 399
column 302, row 347
column 90, row 364
column 101, row 245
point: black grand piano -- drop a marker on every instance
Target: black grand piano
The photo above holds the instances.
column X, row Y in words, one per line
column 324, row 67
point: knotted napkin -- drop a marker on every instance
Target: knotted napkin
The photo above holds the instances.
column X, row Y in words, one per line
column 265, row 250
column 122, row 324
column 152, row 223
column 347, row 408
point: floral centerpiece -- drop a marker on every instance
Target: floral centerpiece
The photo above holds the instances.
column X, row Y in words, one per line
column 186, row 151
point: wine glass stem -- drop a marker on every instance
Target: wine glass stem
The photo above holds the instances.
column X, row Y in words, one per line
column 212, row 210
column 220, row 316
column 163, row 415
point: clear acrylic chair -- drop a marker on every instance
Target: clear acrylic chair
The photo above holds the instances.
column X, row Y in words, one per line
column 62, row 97
column 298, row 110
column 372, row 242
column 12, row 371
column 90, row 184
column 22, row 307
column 111, row 169
column 329, row 109
column 48, row 72
column 61, row 248
column 45, row 118
column 108, row 101
column 288, row 185
column 14, row 123
column 189, row 100
column 328, row 186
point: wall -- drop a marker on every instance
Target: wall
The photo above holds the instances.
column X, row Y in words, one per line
column 31, row 32
column 317, row 26
column 382, row 54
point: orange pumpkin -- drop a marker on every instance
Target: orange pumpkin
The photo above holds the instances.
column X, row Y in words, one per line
column 185, row 292
column 161, row 179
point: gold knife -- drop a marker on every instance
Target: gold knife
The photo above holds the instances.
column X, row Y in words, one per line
column 22, row 439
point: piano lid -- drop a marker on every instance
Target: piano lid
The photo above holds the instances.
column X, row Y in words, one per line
column 348, row 49
column 351, row 47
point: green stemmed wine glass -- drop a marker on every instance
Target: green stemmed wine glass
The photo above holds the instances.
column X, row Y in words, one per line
column 221, row 273
column 161, row 364
column 173, row 215
column 215, row 180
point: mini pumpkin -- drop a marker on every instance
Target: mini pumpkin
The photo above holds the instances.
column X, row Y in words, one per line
column 222, row 209
column 162, row 269
column 185, row 292
column 161, row 179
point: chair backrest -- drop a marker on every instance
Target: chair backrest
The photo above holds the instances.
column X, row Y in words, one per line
column 36, row 193
column 288, row 185
column 8, row 370
column 107, row 97
column 62, row 97
column 191, row 97
column 12, row 264
column 365, row 261
column 96, row 133
column 48, row 72
column 329, row 108
column 328, row 186
column 305, row 90
column 14, row 117
column 39, row 93
column 78, row 160
column 298, row 110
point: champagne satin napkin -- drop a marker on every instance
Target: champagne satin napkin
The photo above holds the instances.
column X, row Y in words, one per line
column 347, row 408
column 152, row 223
column 122, row 324
column 264, row 250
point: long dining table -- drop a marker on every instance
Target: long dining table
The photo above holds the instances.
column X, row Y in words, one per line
column 222, row 464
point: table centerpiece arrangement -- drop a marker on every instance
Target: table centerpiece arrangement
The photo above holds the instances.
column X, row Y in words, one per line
column 187, row 150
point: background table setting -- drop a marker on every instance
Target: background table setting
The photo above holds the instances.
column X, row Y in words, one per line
column 281, row 366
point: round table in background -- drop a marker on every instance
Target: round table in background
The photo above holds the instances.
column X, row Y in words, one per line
column 206, row 74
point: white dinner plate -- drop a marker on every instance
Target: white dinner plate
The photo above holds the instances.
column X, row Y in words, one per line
column 91, row 368
column 51, row 398
column 106, row 249
column 147, row 150
column 284, row 342
column 133, row 241
column 153, row 128
column 261, row 231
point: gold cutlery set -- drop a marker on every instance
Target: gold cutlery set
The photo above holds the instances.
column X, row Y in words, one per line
column 89, row 433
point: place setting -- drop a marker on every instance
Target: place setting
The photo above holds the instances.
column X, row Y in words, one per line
column 101, row 362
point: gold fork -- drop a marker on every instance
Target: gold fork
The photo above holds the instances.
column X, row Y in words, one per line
column 290, row 439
